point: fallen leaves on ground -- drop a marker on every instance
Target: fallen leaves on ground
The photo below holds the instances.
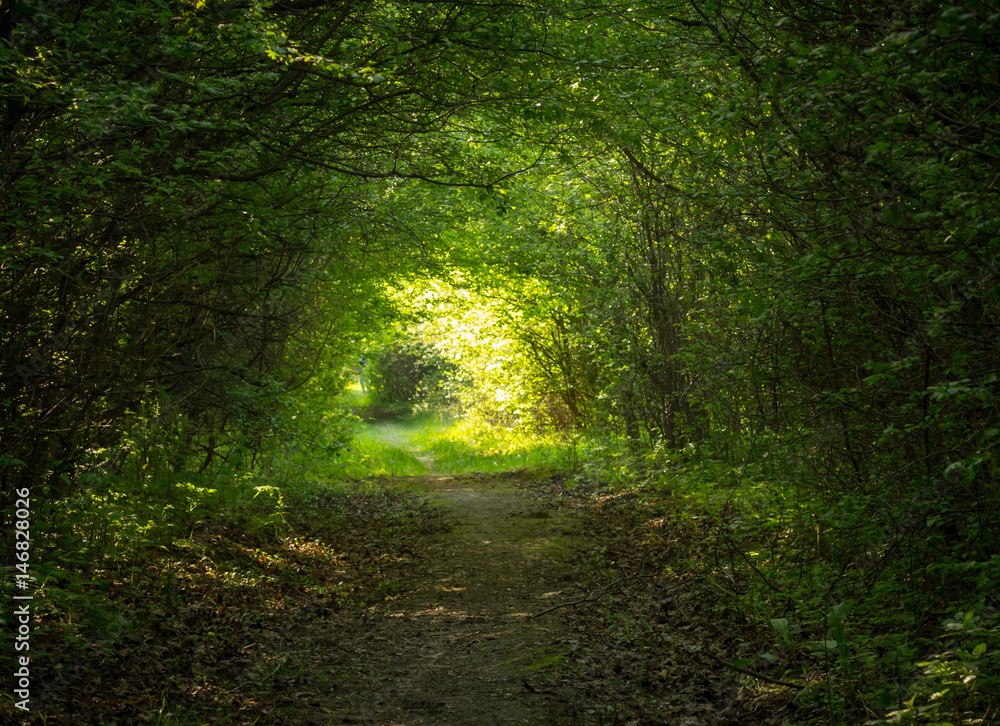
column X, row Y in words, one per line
column 213, row 628
column 637, row 655
column 196, row 634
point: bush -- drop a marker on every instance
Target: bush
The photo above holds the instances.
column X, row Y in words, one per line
column 405, row 372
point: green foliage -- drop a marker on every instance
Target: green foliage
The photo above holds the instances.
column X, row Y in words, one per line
column 313, row 434
column 192, row 229
column 742, row 254
column 827, row 595
column 405, row 373
column 511, row 366
column 959, row 685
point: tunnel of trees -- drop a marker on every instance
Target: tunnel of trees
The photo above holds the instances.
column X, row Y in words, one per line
column 751, row 246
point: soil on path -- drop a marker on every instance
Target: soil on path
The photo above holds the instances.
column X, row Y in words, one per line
column 459, row 646
column 414, row 607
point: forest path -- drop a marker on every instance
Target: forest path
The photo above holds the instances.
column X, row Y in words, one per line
column 458, row 647
column 402, row 435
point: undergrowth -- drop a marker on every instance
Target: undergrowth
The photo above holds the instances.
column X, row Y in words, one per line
column 119, row 552
column 173, row 581
column 878, row 620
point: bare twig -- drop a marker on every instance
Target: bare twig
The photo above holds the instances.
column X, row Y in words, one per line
column 590, row 598
column 760, row 676
column 604, row 590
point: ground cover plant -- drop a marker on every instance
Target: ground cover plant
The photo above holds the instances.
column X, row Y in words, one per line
column 179, row 625
column 831, row 628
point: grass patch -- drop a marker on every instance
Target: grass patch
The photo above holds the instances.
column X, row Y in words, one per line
column 461, row 447
column 421, row 444
column 386, row 448
column 371, row 457
column 552, row 662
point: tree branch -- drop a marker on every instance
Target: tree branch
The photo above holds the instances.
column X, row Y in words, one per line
column 752, row 674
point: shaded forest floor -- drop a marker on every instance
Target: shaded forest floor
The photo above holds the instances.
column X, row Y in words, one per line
column 509, row 598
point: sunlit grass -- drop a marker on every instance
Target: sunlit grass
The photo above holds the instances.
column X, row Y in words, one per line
column 353, row 397
column 462, row 447
column 376, row 458
column 417, row 445
column 386, row 448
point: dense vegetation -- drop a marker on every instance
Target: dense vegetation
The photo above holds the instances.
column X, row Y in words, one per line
column 741, row 254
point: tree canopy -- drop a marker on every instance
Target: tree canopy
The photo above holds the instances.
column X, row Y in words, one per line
column 761, row 234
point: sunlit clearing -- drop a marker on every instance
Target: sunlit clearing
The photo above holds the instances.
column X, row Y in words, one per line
column 466, row 447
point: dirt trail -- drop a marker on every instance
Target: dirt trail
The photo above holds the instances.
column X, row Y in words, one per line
column 374, row 610
column 459, row 648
